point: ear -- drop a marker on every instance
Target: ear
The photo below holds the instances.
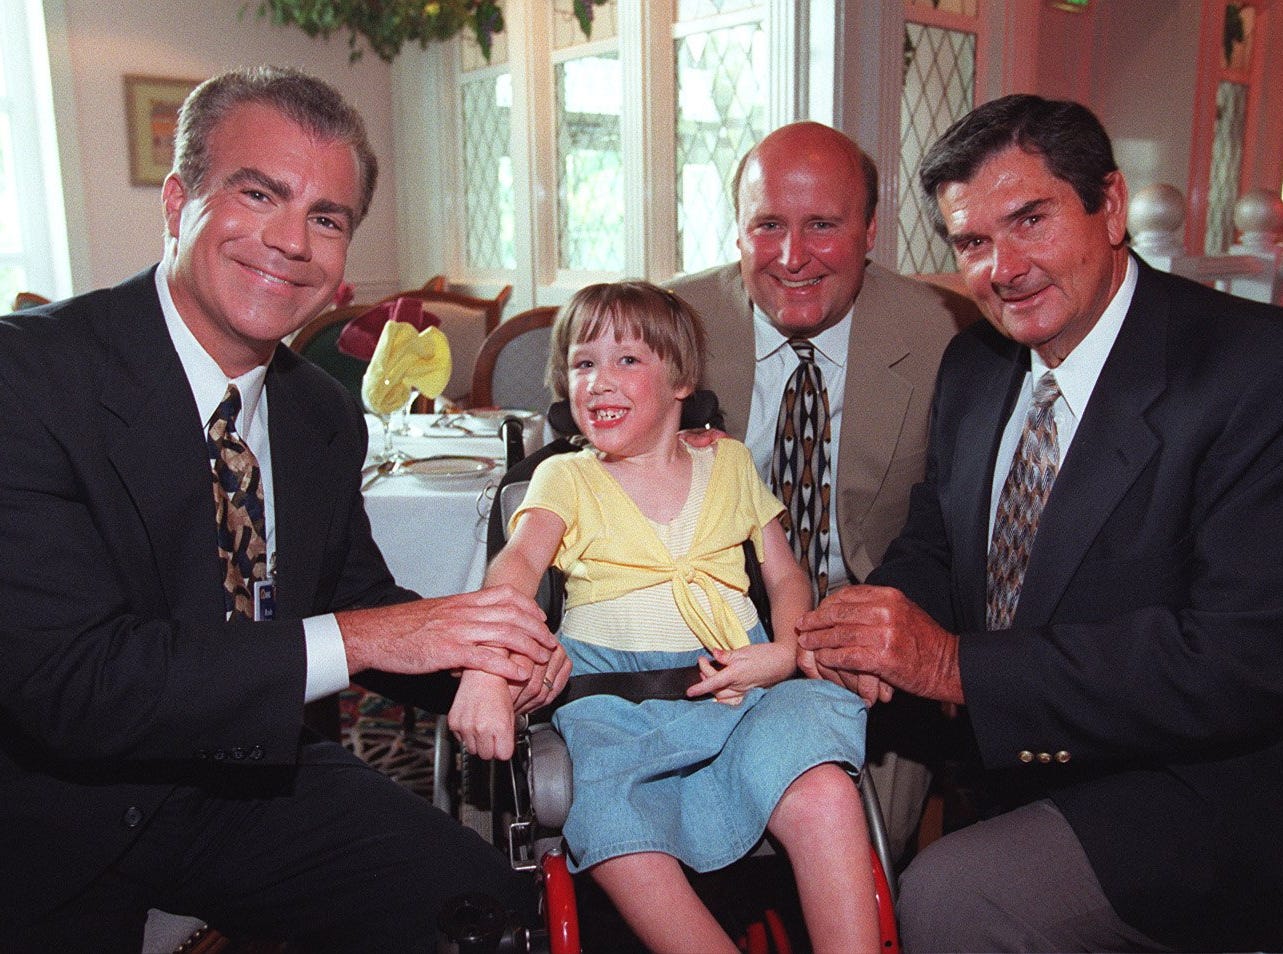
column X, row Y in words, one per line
column 872, row 233
column 1115, row 207
column 173, row 196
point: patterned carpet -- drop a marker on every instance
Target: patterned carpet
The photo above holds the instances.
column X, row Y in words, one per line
column 377, row 730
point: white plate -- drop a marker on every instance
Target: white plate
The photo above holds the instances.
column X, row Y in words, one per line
column 448, row 466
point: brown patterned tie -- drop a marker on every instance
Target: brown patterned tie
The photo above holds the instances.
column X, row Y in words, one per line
column 1033, row 471
column 800, row 465
column 238, row 500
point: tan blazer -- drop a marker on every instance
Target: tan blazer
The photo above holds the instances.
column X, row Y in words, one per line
column 900, row 330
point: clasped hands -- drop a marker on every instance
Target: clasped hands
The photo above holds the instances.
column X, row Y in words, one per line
column 873, row 640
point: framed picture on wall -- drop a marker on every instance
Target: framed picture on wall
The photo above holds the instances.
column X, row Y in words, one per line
column 151, row 115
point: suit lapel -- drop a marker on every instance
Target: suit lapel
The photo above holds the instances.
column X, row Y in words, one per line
column 1112, row 446
column 153, row 436
column 734, row 366
column 875, row 401
column 304, row 487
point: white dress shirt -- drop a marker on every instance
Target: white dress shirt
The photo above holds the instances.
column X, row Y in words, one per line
column 326, row 657
column 776, row 362
column 1076, row 377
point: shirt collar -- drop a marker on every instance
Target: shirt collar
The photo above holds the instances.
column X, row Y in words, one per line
column 1077, row 374
column 831, row 343
column 206, row 378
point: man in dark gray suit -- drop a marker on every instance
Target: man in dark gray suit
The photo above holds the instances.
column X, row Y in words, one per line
column 1092, row 567
column 806, row 198
column 152, row 694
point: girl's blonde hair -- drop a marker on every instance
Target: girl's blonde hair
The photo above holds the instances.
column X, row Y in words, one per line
column 667, row 325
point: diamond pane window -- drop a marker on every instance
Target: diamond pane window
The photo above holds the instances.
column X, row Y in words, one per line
column 487, row 171
column 590, row 197
column 721, row 114
column 939, row 87
column 1227, row 160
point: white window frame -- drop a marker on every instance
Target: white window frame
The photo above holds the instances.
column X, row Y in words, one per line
column 429, row 197
column 50, row 201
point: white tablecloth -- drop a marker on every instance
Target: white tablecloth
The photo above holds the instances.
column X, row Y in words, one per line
column 432, row 531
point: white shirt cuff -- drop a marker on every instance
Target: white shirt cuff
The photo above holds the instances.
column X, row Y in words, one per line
column 326, row 657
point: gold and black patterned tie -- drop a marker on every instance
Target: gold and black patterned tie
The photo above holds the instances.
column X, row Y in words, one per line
column 238, row 500
column 1028, row 484
column 800, row 465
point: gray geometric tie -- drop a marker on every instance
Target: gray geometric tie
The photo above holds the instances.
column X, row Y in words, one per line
column 800, row 465
column 1028, row 484
column 238, row 504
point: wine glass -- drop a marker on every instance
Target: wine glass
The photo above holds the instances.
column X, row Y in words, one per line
column 383, row 399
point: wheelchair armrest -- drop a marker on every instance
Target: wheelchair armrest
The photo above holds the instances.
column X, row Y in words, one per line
column 550, row 787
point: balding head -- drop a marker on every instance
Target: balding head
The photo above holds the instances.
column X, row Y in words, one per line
column 805, row 198
column 826, row 147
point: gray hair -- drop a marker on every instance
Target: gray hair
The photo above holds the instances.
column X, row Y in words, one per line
column 311, row 103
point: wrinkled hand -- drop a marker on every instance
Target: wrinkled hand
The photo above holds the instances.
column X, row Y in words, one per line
column 877, row 631
column 482, row 717
column 731, row 673
column 545, row 683
column 449, row 633
column 868, row 687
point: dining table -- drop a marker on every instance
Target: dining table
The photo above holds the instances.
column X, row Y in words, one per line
column 428, row 513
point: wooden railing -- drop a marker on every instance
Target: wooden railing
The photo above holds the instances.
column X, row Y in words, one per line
column 1252, row 268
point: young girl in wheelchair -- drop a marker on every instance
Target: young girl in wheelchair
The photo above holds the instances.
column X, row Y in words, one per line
column 648, row 531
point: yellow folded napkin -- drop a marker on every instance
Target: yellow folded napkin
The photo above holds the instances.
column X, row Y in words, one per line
column 405, row 359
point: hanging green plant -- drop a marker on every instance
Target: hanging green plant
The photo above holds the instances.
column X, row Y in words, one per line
column 387, row 25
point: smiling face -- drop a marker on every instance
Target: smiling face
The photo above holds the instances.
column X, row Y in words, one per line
column 260, row 249
column 1038, row 265
column 623, row 397
column 803, row 238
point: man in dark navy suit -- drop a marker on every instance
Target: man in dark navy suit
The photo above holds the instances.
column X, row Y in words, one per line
column 152, row 750
column 1118, row 645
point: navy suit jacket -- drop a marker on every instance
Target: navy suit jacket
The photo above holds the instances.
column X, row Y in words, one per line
column 1147, row 646
column 119, row 676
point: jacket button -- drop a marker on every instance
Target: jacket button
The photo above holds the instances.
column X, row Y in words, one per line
column 220, row 755
column 256, row 753
column 1062, row 756
column 1044, row 758
column 238, row 753
column 202, row 754
column 133, row 817
column 1026, row 756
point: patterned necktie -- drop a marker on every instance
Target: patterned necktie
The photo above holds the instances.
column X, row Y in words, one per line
column 800, row 465
column 1033, row 471
column 238, row 501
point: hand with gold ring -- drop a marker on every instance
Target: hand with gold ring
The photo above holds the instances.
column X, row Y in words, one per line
column 545, row 683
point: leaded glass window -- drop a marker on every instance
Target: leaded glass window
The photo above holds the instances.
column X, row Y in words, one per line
column 721, row 114
column 590, row 200
column 485, row 89
column 939, row 88
column 1227, row 160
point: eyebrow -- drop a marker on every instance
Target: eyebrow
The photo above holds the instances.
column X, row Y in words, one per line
column 1028, row 208
column 249, row 174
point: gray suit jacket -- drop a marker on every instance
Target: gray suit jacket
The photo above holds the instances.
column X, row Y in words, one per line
column 899, row 332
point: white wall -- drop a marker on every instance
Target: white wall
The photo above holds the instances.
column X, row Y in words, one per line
column 193, row 39
column 1148, row 106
